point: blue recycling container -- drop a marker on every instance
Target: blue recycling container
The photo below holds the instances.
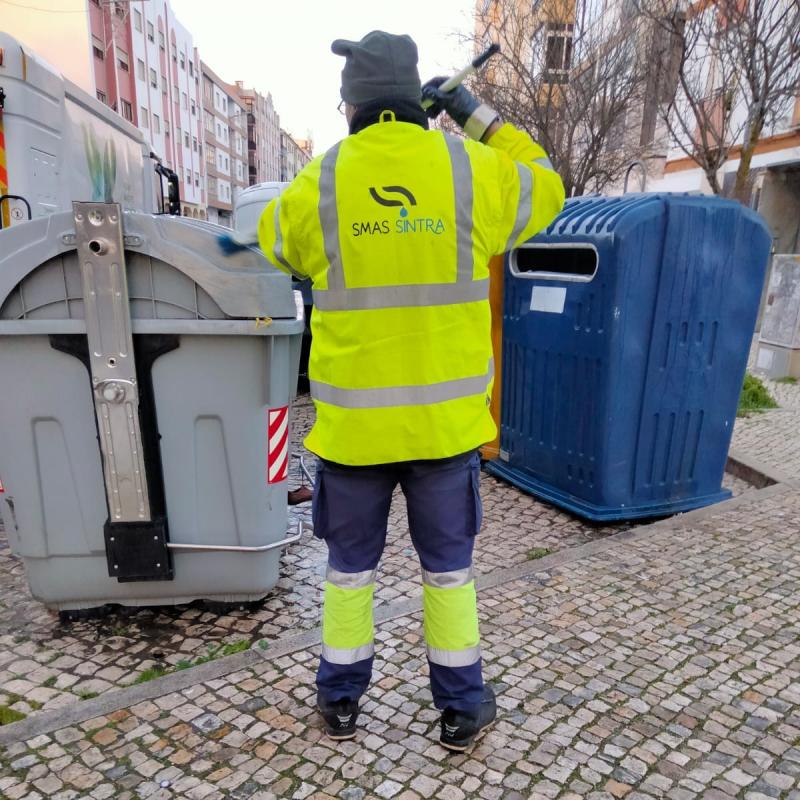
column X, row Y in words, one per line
column 627, row 326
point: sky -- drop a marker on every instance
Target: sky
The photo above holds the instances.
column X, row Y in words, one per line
column 284, row 48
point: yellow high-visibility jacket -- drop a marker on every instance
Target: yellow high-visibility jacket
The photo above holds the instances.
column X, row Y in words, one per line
column 395, row 226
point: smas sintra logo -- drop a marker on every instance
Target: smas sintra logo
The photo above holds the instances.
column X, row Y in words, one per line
column 403, row 199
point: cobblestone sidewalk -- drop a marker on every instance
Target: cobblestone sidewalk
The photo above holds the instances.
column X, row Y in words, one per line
column 665, row 667
column 773, row 437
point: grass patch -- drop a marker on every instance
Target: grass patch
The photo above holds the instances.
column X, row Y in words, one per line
column 9, row 715
column 215, row 651
column 754, row 397
column 538, row 552
column 788, row 379
column 84, row 695
column 151, row 673
column 50, row 682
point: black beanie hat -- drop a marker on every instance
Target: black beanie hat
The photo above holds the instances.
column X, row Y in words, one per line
column 381, row 65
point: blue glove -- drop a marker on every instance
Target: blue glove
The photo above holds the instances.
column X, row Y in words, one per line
column 459, row 103
column 234, row 242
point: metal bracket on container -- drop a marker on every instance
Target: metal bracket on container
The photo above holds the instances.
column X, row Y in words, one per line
column 98, row 230
column 101, row 254
column 137, row 551
column 302, row 527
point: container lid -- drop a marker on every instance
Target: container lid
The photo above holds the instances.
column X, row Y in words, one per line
column 598, row 215
column 243, row 285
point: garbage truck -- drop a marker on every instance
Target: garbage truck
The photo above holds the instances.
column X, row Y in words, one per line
column 59, row 144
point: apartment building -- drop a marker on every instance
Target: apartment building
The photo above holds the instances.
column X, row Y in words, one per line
column 224, row 144
column 146, row 68
column 263, row 135
column 166, row 66
column 293, row 156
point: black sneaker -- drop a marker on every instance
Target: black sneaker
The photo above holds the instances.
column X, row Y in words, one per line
column 340, row 717
column 460, row 729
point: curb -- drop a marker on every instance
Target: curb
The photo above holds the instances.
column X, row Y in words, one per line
column 755, row 472
column 48, row 721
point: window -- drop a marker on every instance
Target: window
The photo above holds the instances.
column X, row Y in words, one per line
column 183, row 61
column 137, row 20
column 176, row 93
column 194, row 143
column 144, row 118
column 98, row 48
column 140, row 69
column 122, row 59
column 194, row 109
column 186, row 140
column 227, row 164
column 188, row 177
column 166, row 127
column 197, row 179
column 119, row 9
column 101, row 96
column 163, row 83
column 153, row 78
column 161, row 42
column 210, row 124
column 558, row 52
column 219, row 131
column 211, row 154
column 156, row 123
column 212, row 185
column 191, row 68
column 127, row 110
column 185, row 100
column 151, row 36
column 224, row 105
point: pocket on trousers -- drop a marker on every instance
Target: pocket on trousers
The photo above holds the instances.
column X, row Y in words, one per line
column 319, row 505
column 475, row 481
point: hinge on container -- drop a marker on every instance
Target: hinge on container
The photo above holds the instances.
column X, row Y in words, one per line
column 130, row 527
column 2, row 99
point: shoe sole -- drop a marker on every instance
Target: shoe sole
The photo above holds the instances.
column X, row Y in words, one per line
column 460, row 748
column 340, row 737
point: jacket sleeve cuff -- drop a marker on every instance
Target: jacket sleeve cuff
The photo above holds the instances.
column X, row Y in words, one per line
column 480, row 120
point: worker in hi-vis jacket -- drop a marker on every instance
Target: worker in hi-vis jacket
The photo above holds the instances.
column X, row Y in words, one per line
column 395, row 226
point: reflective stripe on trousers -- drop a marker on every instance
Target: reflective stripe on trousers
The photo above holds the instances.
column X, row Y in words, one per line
column 451, row 617
column 347, row 627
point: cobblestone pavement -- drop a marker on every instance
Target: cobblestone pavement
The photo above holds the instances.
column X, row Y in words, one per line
column 667, row 666
column 772, row 436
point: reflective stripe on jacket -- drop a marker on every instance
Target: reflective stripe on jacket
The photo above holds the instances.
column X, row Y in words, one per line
column 395, row 226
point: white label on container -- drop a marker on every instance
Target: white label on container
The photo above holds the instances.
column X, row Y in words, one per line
column 765, row 358
column 549, row 299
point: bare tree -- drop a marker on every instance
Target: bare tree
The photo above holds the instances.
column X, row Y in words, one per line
column 737, row 70
column 575, row 85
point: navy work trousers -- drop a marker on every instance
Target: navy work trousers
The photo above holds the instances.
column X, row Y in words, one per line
column 350, row 512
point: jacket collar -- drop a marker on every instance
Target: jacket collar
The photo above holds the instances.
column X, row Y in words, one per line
column 402, row 110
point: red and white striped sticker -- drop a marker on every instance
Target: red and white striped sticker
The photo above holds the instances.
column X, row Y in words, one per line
column 278, row 450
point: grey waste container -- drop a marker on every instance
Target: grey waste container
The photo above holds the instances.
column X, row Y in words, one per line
column 144, row 393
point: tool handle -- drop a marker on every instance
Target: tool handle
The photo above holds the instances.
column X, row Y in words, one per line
column 456, row 80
